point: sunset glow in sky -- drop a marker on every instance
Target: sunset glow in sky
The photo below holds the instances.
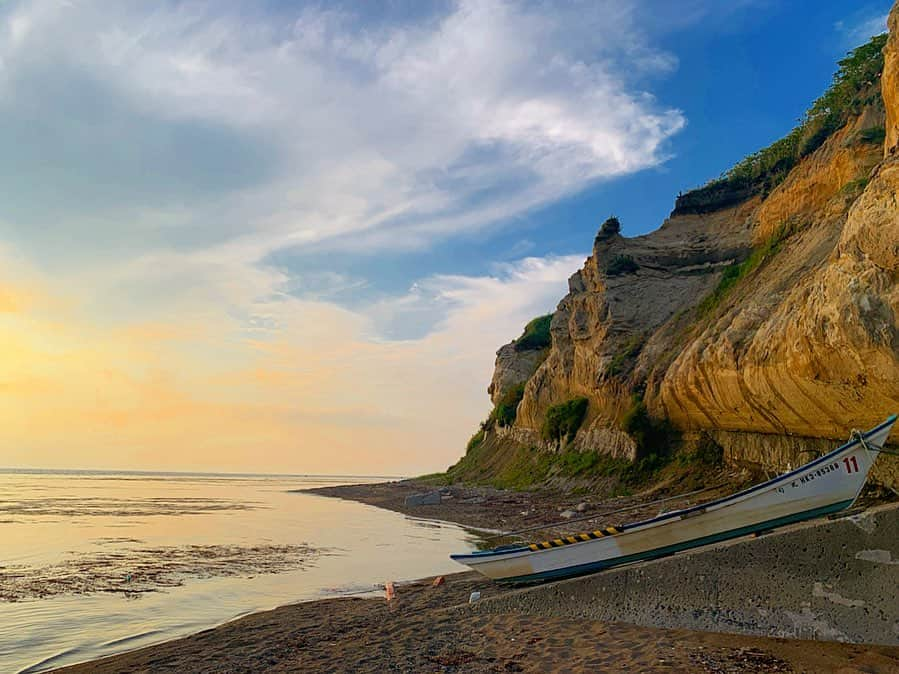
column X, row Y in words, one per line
column 289, row 237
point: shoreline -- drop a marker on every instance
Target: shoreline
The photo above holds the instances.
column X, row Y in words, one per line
column 495, row 511
column 429, row 628
column 432, row 628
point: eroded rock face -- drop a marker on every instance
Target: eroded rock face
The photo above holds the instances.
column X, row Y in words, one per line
column 809, row 347
column 890, row 84
column 513, row 367
column 602, row 324
column 812, row 349
column 816, row 190
column 791, row 360
column 872, row 230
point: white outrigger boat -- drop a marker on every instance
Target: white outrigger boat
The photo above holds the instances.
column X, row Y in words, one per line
column 826, row 485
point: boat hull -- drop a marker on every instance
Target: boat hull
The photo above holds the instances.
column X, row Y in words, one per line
column 827, row 485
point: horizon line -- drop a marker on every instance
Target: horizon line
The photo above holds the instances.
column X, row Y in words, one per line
column 135, row 471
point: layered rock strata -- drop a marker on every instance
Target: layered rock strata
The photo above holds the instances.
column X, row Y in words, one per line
column 800, row 350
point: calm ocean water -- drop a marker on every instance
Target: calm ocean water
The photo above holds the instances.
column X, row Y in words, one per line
column 98, row 563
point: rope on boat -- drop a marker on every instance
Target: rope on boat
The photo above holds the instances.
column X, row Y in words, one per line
column 636, row 506
column 870, row 446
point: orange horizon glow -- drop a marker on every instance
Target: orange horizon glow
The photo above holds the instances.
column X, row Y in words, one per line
column 203, row 394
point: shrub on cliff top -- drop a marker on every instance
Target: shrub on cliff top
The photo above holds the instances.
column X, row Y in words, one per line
column 563, row 421
column 860, row 69
column 609, row 228
column 536, row 334
column 761, row 171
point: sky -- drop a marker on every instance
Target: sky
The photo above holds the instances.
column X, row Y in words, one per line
column 281, row 236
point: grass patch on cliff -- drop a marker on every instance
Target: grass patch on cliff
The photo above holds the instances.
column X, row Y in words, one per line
column 735, row 273
column 527, row 468
column 508, row 465
column 656, row 439
column 621, row 265
column 502, row 464
column 591, row 463
column 623, row 360
column 563, row 421
column 503, row 413
column 536, row 334
column 475, row 441
column 873, row 135
column 852, row 89
column 506, row 409
column 729, row 279
column 854, row 187
column 505, row 464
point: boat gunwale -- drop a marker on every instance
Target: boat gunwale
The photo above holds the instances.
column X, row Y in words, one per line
column 648, row 555
column 483, row 555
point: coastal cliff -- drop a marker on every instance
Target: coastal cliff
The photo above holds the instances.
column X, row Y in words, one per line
column 761, row 318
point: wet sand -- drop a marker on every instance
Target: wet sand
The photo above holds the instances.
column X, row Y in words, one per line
column 500, row 510
column 433, row 629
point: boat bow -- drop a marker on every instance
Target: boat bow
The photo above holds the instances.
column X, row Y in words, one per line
column 825, row 485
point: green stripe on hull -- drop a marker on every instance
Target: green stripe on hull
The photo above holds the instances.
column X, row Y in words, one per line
column 592, row 567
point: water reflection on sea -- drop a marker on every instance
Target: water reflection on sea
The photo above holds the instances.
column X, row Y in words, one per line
column 98, row 563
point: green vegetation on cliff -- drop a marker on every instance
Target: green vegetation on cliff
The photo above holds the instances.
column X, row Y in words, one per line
column 507, row 407
column 563, row 421
column 656, row 441
column 665, row 457
column 738, row 271
column 874, row 135
column 505, row 464
column 611, row 227
column 620, row 265
column 536, row 334
column 762, row 171
column 623, row 361
column 475, row 440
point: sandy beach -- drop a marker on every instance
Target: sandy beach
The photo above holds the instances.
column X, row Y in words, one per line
column 433, row 629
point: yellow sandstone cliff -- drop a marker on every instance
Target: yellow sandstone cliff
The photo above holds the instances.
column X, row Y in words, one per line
column 763, row 313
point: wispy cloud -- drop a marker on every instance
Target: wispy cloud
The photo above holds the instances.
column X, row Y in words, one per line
column 860, row 29
column 158, row 157
column 196, row 124
column 455, row 303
